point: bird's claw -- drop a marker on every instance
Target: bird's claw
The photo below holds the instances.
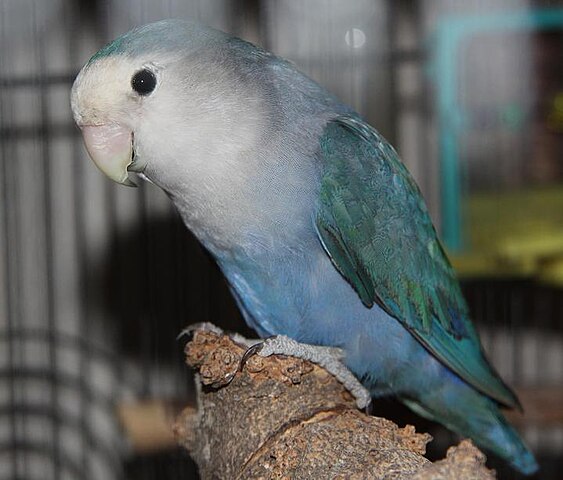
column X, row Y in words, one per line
column 250, row 351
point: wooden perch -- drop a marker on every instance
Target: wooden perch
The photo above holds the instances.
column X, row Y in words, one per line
column 282, row 417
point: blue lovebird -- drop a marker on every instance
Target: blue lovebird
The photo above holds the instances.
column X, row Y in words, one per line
column 318, row 227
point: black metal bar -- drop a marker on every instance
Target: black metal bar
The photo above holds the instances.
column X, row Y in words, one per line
column 45, row 148
column 78, row 202
column 145, row 347
column 17, row 133
column 11, row 254
column 34, row 81
column 392, row 15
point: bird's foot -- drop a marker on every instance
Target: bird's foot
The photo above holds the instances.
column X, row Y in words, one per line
column 330, row 358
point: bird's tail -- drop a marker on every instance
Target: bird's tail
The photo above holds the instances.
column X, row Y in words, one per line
column 478, row 417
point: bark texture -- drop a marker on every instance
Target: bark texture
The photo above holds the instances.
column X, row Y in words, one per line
column 285, row 418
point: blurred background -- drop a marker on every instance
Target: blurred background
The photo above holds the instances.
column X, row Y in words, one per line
column 96, row 280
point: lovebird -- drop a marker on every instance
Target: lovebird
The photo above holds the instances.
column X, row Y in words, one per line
column 319, row 229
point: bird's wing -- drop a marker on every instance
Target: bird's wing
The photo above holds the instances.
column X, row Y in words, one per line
column 375, row 227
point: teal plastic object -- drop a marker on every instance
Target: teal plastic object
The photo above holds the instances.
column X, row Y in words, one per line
column 450, row 33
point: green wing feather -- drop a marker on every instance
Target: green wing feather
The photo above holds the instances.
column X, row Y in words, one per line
column 375, row 227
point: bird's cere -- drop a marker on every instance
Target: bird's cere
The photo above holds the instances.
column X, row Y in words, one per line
column 111, row 148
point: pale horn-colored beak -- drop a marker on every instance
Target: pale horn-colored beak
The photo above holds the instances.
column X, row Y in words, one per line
column 110, row 146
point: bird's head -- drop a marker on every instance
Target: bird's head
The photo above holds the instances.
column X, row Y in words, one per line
column 155, row 91
column 108, row 98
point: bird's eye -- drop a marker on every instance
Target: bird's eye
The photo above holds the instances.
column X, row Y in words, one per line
column 144, row 81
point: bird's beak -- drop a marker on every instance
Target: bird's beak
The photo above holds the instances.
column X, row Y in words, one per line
column 110, row 146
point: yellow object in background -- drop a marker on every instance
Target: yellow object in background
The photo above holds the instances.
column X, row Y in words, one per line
column 517, row 233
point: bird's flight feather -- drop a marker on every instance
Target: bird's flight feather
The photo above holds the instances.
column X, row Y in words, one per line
column 374, row 225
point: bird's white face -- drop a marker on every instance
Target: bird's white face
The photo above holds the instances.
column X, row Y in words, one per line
column 177, row 114
column 187, row 125
column 109, row 99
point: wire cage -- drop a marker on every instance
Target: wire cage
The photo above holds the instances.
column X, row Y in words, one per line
column 96, row 281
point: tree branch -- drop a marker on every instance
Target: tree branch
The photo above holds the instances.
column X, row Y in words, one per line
column 282, row 417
